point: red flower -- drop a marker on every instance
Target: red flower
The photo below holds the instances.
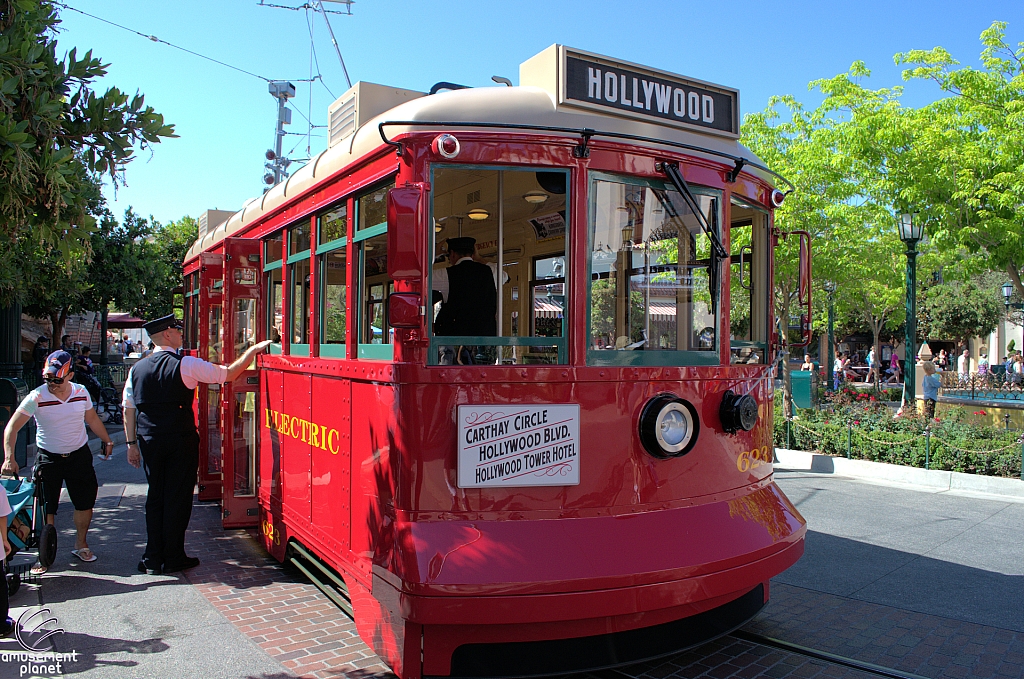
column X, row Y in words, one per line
column 872, row 398
column 856, row 421
column 983, row 413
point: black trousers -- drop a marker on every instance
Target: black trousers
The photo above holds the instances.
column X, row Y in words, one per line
column 171, row 463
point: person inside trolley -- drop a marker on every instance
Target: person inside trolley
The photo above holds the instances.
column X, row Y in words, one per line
column 160, row 428
column 62, row 409
column 467, row 290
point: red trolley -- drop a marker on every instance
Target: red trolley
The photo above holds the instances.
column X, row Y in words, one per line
column 588, row 486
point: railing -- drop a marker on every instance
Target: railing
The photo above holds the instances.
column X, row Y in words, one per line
column 112, row 374
column 995, row 385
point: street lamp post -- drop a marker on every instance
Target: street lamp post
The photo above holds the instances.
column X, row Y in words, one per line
column 911, row 230
column 1007, row 294
column 830, row 289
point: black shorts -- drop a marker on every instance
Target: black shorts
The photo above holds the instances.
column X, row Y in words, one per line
column 75, row 471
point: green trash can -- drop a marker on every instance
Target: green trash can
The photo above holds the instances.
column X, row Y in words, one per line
column 802, row 381
column 12, row 392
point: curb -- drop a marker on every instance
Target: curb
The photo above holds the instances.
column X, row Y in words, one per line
column 799, row 460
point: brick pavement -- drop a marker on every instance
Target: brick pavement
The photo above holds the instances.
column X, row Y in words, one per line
column 276, row 608
column 300, row 628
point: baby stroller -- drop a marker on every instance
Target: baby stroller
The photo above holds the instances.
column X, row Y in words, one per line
column 27, row 530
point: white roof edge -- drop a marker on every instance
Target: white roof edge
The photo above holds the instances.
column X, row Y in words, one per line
column 514, row 105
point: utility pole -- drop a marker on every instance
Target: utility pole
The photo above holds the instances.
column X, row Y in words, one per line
column 276, row 164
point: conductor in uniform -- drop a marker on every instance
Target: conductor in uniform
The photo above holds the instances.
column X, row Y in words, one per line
column 467, row 292
column 160, row 430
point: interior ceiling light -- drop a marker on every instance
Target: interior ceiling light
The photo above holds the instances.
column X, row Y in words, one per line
column 535, row 197
column 478, row 215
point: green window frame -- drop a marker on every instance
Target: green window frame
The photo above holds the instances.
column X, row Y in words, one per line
column 297, row 320
column 370, row 221
column 331, row 223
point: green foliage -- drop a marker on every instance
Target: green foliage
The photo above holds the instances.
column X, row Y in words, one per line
column 171, row 242
column 966, row 166
column 125, row 264
column 958, row 310
column 55, row 133
column 956, row 444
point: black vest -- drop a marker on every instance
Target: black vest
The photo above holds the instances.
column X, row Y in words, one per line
column 163, row 402
column 471, row 305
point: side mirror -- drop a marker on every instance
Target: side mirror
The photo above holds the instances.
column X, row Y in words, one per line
column 405, row 232
column 404, row 310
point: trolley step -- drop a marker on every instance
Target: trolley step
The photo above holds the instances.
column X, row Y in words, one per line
column 323, row 576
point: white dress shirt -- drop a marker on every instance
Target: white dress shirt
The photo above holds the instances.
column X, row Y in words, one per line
column 193, row 372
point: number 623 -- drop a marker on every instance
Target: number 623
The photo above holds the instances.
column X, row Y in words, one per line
column 752, row 459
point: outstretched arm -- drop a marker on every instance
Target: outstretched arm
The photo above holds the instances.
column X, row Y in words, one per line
column 239, row 366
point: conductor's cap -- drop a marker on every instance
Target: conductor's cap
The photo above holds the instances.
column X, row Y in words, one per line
column 161, row 324
column 463, row 244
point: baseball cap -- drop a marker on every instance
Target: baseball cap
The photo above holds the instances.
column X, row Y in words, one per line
column 58, row 364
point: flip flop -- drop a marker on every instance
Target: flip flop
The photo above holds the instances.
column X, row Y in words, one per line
column 85, row 554
column 39, row 569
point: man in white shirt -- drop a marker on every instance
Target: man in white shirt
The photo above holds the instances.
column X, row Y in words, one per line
column 963, row 366
column 160, row 430
column 61, row 409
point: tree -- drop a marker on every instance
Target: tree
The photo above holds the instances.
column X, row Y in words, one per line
column 969, row 151
column 171, row 242
column 959, row 310
column 55, row 133
column 56, row 289
column 125, row 264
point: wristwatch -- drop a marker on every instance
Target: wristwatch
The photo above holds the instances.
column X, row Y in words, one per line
column 130, row 443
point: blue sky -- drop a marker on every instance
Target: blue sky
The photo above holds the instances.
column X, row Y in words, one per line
column 226, row 119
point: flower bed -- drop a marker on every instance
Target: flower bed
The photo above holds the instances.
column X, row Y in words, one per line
column 859, row 424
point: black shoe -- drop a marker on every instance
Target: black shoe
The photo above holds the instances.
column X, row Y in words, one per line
column 149, row 568
column 189, row 562
column 7, row 627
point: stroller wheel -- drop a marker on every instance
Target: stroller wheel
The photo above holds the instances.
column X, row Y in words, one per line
column 13, row 583
column 47, row 545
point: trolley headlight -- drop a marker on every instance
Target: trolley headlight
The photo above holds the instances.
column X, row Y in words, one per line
column 737, row 412
column 668, row 426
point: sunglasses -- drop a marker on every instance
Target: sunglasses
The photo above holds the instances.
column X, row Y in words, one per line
column 54, row 380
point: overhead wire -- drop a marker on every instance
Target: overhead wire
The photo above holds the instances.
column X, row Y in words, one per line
column 153, row 38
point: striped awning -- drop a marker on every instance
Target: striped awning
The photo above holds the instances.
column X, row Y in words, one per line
column 546, row 308
column 662, row 311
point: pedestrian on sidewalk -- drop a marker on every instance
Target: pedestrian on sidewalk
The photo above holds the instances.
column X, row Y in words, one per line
column 963, row 367
column 930, row 384
column 160, row 426
column 873, row 371
column 62, row 409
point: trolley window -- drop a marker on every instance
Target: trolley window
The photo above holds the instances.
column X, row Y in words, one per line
column 748, row 283
column 517, row 220
column 332, row 277
column 653, row 285
column 298, row 288
column 370, row 254
column 273, row 260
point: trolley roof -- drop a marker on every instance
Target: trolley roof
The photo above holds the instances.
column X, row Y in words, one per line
column 509, row 105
